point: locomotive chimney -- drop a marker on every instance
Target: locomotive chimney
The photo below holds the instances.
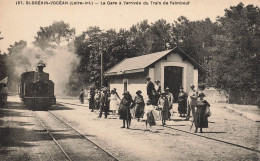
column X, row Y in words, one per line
column 40, row 66
column 40, row 69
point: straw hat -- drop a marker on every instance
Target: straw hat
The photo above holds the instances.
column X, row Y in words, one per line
column 202, row 95
column 138, row 92
column 148, row 78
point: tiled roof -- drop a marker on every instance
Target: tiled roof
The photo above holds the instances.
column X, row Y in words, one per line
column 141, row 62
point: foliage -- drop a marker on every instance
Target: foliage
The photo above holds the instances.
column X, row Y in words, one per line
column 48, row 38
column 14, row 52
column 3, row 68
column 92, row 42
column 240, row 52
column 3, row 56
column 229, row 49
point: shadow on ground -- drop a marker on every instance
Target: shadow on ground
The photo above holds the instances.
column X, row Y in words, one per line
column 25, row 133
column 59, row 106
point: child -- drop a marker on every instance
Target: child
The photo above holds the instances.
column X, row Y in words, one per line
column 164, row 106
column 148, row 116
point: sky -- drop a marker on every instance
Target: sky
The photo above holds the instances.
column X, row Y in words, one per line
column 21, row 22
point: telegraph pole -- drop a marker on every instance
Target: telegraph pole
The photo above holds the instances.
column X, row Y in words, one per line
column 102, row 69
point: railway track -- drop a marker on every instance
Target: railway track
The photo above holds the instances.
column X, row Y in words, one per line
column 98, row 152
column 195, row 134
column 56, row 142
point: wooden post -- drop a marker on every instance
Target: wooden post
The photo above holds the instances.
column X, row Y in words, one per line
column 102, row 72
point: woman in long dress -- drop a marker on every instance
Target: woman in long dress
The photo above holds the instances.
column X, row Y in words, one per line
column 125, row 114
column 157, row 88
column 114, row 102
column 164, row 106
column 139, row 105
column 201, row 120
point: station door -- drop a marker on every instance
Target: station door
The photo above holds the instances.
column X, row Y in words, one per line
column 173, row 79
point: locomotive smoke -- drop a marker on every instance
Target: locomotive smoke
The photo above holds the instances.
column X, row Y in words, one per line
column 59, row 65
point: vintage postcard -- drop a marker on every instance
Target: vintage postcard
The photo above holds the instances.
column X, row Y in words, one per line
column 129, row 80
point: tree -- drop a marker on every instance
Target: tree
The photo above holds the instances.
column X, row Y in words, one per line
column 241, row 55
column 159, row 35
column 17, row 47
column 48, row 38
column 138, row 37
column 237, row 55
column 3, row 68
column 92, row 42
column 15, row 60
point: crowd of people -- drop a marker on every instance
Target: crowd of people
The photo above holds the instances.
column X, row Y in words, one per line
column 159, row 105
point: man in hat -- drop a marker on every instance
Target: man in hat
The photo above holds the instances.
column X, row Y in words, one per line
column 192, row 102
column 150, row 90
column 104, row 103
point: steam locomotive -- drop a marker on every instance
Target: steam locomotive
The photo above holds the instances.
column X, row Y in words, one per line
column 36, row 90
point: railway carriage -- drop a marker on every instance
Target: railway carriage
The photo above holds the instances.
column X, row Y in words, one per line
column 36, row 90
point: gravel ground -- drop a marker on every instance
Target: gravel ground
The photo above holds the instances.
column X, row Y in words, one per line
column 246, row 108
column 26, row 141
column 166, row 143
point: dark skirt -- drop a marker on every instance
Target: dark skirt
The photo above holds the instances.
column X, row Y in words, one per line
column 81, row 98
column 125, row 114
column 182, row 107
column 156, row 98
column 150, row 118
column 91, row 103
column 139, row 111
column 165, row 115
column 201, row 121
column 96, row 104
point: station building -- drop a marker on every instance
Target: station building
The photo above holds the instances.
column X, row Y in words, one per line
column 173, row 68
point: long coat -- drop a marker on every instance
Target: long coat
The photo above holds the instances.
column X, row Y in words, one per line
column 182, row 102
column 139, row 106
column 164, row 104
column 104, row 103
column 201, row 121
column 91, row 99
column 150, row 88
column 125, row 108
